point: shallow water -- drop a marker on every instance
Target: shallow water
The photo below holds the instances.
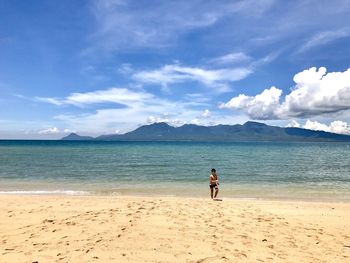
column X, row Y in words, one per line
column 246, row 169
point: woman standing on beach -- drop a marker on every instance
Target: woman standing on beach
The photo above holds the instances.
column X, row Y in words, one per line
column 213, row 183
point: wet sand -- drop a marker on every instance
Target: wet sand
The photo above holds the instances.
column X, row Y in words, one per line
column 155, row 229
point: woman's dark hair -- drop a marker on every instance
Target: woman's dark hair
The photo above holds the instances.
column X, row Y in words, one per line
column 213, row 170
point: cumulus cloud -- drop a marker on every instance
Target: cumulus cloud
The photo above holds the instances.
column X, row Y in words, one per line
column 170, row 74
column 315, row 93
column 261, row 106
column 315, row 125
column 340, row 127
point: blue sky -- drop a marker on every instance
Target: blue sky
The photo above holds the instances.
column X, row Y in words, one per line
column 100, row 67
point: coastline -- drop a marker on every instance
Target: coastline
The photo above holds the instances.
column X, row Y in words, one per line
column 65, row 228
column 158, row 190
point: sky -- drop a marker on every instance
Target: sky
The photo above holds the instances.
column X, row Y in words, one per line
column 109, row 66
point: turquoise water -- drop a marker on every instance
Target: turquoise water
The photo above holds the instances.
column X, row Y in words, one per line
column 246, row 169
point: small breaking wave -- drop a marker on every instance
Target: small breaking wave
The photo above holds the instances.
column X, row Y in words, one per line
column 45, row 192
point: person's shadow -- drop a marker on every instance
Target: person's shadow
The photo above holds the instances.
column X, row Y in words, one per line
column 217, row 199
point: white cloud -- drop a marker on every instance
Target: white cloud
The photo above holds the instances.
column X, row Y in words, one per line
column 109, row 120
column 325, row 37
column 50, row 130
column 195, row 121
column 314, row 125
column 261, row 106
column 50, row 100
column 169, row 74
column 339, row 127
column 315, row 93
column 167, row 118
column 67, row 131
column 293, row 124
column 206, row 113
column 113, row 95
column 139, row 107
column 204, row 118
column 121, row 24
column 30, row 129
column 216, row 74
column 232, row 58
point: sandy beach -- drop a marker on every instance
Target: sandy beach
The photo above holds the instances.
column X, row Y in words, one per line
column 157, row 229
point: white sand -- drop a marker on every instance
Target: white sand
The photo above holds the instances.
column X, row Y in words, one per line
column 153, row 229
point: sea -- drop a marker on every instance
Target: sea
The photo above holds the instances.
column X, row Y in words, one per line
column 258, row 170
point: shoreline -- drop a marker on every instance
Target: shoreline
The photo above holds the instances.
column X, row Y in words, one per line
column 174, row 198
column 69, row 193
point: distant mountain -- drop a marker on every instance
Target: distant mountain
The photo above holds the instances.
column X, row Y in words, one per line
column 250, row 131
column 75, row 137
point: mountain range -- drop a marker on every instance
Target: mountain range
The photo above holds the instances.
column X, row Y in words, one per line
column 250, row 131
